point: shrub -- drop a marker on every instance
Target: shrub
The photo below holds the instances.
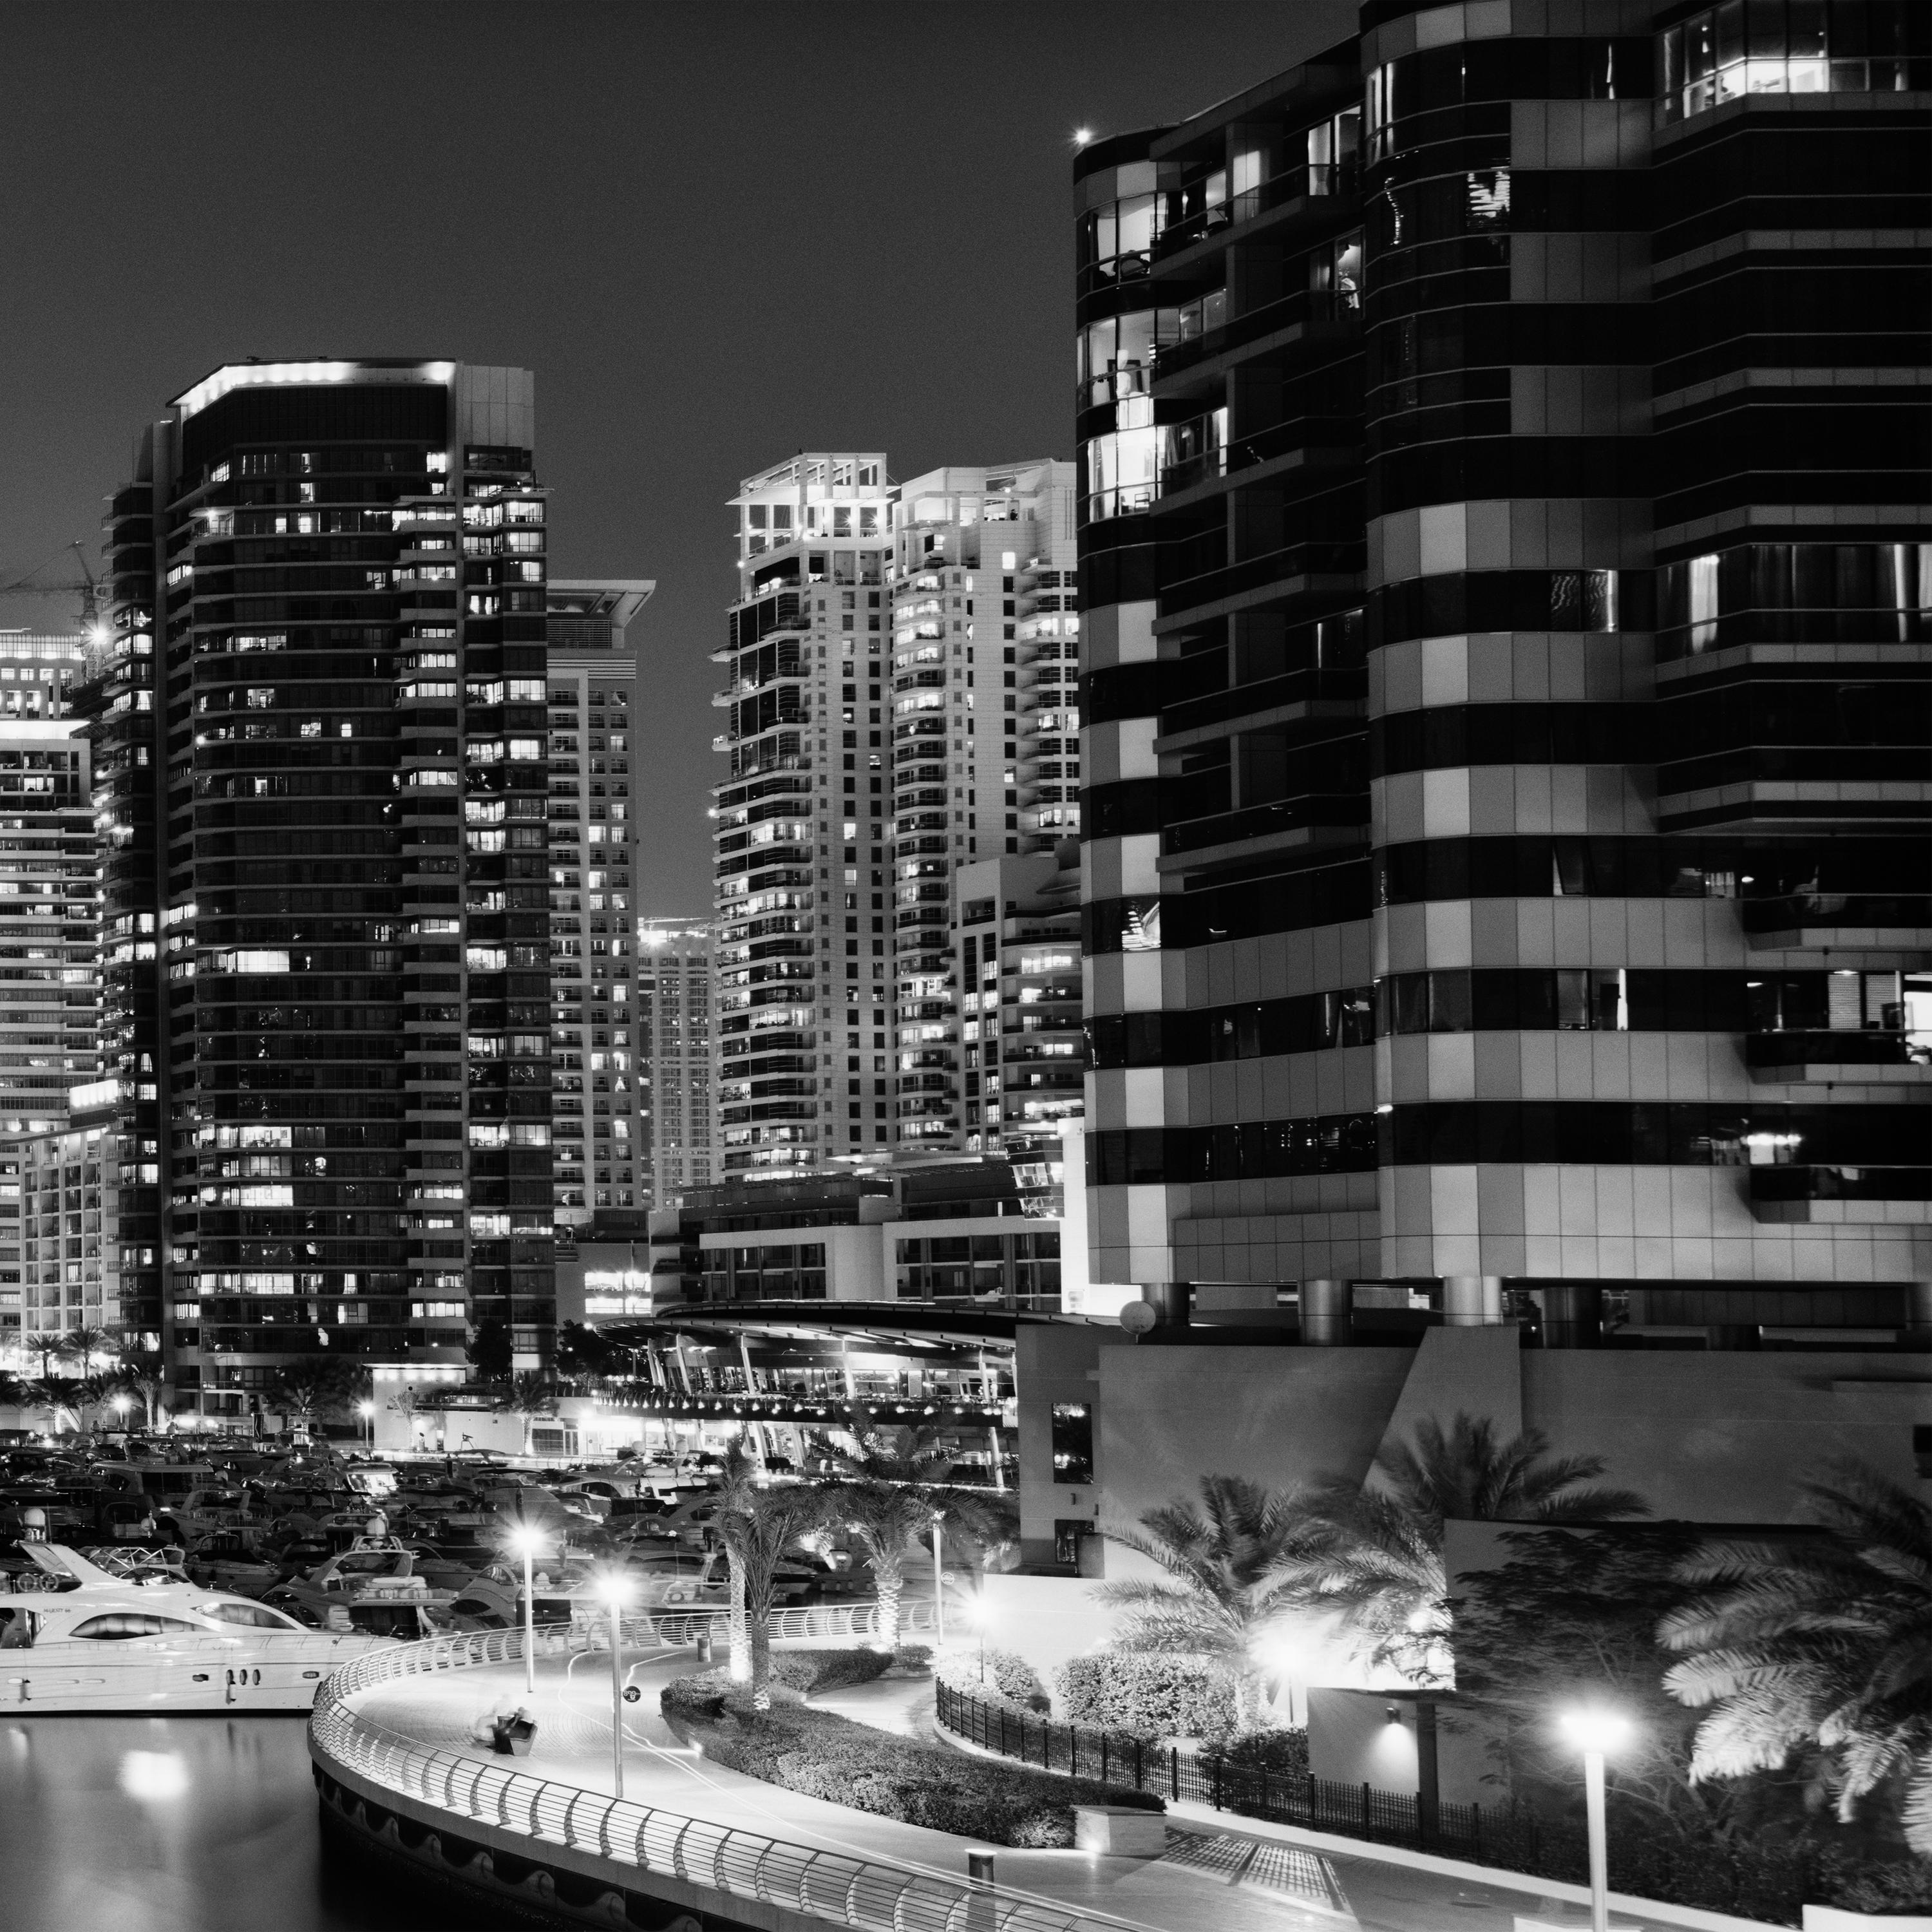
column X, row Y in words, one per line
column 1147, row 1695
column 821, row 1755
column 913, row 1657
column 807, row 1671
column 1270, row 1751
column 997, row 1675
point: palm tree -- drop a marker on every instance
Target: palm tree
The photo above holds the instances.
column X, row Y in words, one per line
column 13, row 1392
column 1822, row 1647
column 737, row 1489
column 891, row 1492
column 58, row 1395
column 530, row 1395
column 141, row 1375
column 755, row 1536
column 1224, row 1590
column 315, row 1390
column 81, row 1345
column 1374, row 1554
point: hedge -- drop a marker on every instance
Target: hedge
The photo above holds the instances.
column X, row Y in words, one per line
column 1146, row 1695
column 821, row 1755
column 807, row 1671
column 995, row 1676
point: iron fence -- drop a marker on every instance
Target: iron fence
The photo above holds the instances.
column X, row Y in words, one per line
column 1504, row 1836
column 866, row 1896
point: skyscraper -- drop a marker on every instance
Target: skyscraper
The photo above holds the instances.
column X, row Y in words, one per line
column 804, row 988
column 320, row 735
column 597, row 1068
column 985, row 661
column 1507, row 868
column 675, row 1041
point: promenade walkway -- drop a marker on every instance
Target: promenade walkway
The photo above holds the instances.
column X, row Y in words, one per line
column 1210, row 1876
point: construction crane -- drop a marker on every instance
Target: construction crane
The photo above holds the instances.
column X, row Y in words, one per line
column 87, row 585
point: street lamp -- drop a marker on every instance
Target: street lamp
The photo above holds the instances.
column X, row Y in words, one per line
column 938, row 1579
column 524, row 1542
column 367, row 1410
column 1596, row 1732
column 615, row 1591
column 120, row 1407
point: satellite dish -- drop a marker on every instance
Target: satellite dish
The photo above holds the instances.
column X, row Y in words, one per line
column 1138, row 1317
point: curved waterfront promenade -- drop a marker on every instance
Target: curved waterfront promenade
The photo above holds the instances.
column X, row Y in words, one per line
column 397, row 1767
column 692, row 1845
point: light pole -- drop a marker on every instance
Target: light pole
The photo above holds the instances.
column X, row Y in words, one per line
column 367, row 1410
column 938, row 1582
column 614, row 1592
column 120, row 1405
column 525, row 1542
column 1595, row 1733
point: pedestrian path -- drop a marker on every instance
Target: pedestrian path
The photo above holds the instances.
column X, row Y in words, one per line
column 1227, row 1881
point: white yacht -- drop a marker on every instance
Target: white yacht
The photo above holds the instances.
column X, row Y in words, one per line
column 75, row 1637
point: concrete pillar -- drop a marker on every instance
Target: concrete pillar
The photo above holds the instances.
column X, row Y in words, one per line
column 1326, row 1307
column 1173, row 1300
column 1917, row 1333
column 1572, row 1315
column 1472, row 1300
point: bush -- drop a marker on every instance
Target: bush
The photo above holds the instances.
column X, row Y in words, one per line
column 997, row 1676
column 807, row 1671
column 1270, row 1751
column 821, row 1755
column 1147, row 1696
column 913, row 1657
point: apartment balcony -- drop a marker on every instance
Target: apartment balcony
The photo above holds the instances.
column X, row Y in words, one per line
column 1843, row 921
column 1861, row 1196
column 1870, row 1057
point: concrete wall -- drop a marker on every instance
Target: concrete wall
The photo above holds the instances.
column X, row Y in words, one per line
column 1353, row 1739
column 1054, row 1363
column 1714, row 1436
column 1170, row 1415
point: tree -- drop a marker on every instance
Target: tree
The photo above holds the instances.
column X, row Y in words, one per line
column 530, row 1394
column 1818, row 1646
column 889, row 1491
column 58, row 1395
column 1374, row 1554
column 316, row 1390
column 489, row 1350
column 737, row 1486
column 756, row 1533
column 14, row 1393
column 1225, row 1589
column 581, row 1351
column 141, row 1375
column 81, row 1346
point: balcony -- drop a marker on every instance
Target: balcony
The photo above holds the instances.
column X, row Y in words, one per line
column 1869, row 1056
column 1864, row 1196
column 1872, row 921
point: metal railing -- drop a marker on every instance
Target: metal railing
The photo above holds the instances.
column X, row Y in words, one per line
column 855, row 1892
column 1282, row 1797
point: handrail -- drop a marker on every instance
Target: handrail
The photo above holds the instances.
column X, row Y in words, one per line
column 862, row 1894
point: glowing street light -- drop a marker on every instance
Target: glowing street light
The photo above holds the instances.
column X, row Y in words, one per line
column 616, row 1590
column 367, row 1410
column 1596, row 1732
column 524, row 1542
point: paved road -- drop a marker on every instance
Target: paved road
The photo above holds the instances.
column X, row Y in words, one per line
column 1232, row 1881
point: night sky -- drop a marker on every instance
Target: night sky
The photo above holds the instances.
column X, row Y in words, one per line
column 718, row 232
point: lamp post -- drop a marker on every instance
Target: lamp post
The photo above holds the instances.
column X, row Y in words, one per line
column 120, row 1406
column 1595, row 1733
column 614, row 1594
column 367, row 1410
column 938, row 1581
column 525, row 1542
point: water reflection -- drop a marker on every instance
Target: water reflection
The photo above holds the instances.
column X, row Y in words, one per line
column 173, row 1825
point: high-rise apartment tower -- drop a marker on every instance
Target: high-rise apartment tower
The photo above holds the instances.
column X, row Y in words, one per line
column 1507, row 593
column 675, row 1051
column 596, row 1044
column 322, row 770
